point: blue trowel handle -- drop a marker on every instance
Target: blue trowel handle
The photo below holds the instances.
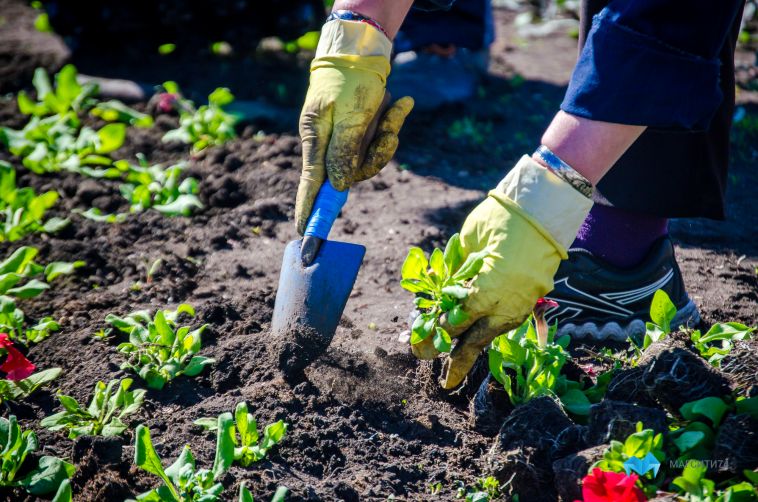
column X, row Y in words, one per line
column 326, row 208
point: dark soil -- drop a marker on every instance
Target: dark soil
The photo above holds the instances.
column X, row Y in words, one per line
column 362, row 426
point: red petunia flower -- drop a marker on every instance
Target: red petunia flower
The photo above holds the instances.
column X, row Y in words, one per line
column 542, row 306
column 16, row 365
column 602, row 486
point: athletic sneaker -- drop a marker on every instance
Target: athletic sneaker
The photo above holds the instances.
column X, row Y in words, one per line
column 603, row 302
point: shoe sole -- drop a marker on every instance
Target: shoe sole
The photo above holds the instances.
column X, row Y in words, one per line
column 613, row 331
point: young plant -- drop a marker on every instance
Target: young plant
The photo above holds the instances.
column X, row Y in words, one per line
column 440, row 284
column 205, row 126
column 158, row 349
column 534, row 359
column 17, row 445
column 182, row 481
column 644, row 446
column 103, row 417
column 160, row 188
column 22, row 211
column 248, row 446
column 719, row 340
column 279, row 496
column 662, row 313
column 484, row 490
column 67, row 95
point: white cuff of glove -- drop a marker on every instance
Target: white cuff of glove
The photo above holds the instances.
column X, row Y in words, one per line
column 340, row 38
column 551, row 201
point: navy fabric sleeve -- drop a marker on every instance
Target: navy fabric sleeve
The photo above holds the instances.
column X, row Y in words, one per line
column 653, row 63
column 433, row 4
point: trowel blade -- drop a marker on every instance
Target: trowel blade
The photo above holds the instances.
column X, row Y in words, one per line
column 310, row 301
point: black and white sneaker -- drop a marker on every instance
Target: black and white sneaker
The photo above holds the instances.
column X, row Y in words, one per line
column 603, row 302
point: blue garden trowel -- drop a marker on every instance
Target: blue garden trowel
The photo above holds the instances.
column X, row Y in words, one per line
column 316, row 280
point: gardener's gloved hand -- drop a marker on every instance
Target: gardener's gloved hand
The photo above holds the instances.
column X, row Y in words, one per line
column 347, row 86
column 525, row 224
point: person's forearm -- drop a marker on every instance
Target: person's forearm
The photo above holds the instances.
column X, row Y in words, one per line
column 589, row 146
column 388, row 13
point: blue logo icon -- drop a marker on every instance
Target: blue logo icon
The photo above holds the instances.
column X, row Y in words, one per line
column 642, row 465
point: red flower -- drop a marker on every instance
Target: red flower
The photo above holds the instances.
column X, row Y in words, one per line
column 590, row 370
column 543, row 305
column 601, row 486
column 166, row 101
column 16, row 365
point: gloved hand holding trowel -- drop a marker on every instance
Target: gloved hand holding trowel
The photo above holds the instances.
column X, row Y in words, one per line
column 528, row 222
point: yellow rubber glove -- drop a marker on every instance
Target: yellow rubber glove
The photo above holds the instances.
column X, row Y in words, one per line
column 525, row 224
column 347, row 86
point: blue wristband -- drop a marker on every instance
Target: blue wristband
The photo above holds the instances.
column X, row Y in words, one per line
column 326, row 208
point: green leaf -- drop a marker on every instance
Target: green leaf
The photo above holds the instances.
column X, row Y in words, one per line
column 688, row 440
column 147, row 459
column 576, row 402
column 748, row 406
column 207, row 423
column 29, row 290
column 456, row 291
column 18, row 260
column 67, row 89
column 280, row 495
column 437, row 263
column 224, row 445
column 42, row 23
column 196, row 365
column 453, row 253
column 415, row 265
column 441, row 340
column 221, row 96
column 41, row 83
column 51, row 472
column 245, row 495
column 662, row 310
column 165, row 49
column 471, row 266
column 64, row 492
column 57, row 268
column 712, row 408
column 111, row 137
column 456, row 316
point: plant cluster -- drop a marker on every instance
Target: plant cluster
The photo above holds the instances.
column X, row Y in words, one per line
column 19, row 280
column 248, row 446
column 104, row 416
column 202, row 126
column 23, row 210
column 161, row 188
column 158, row 349
column 484, row 490
column 17, row 445
column 440, row 283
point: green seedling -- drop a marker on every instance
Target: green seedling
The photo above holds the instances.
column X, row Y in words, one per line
column 528, row 369
column 182, row 481
column 17, row 445
column 206, row 125
column 719, row 340
column 97, row 215
column 105, row 414
column 15, row 390
column 638, row 445
column 248, row 446
column 67, row 95
column 116, row 111
column 484, row 490
column 18, row 274
column 59, row 143
column 158, row 349
column 24, row 210
column 693, row 486
column 440, row 284
column 162, row 189
column 64, row 493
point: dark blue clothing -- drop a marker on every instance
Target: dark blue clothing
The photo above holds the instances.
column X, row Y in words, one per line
column 433, row 4
column 653, row 62
column 467, row 24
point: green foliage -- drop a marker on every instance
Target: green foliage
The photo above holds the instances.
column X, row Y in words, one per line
column 158, row 349
column 484, row 490
column 719, row 340
column 59, row 143
column 116, row 111
column 662, row 312
column 248, row 447
column 693, row 485
column 17, row 280
column 17, row 445
column 536, row 369
column 469, row 130
column 182, row 481
column 66, row 96
column 23, row 209
column 639, row 445
column 162, row 189
column 206, row 125
column 279, row 496
column 441, row 284
column 64, row 492
column 103, row 417
column 11, row 390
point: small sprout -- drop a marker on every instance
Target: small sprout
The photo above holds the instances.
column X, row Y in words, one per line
column 166, row 49
column 153, row 269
